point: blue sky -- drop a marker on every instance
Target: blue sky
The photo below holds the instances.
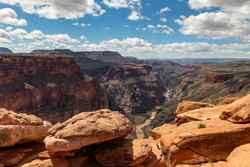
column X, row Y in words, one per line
column 141, row 28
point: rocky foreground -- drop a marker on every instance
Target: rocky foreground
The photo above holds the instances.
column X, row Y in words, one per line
column 202, row 135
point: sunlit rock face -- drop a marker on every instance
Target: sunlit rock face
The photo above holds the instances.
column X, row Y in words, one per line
column 43, row 85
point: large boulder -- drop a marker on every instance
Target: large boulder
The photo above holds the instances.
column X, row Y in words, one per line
column 204, row 141
column 238, row 111
column 240, row 157
column 186, row 106
column 130, row 153
column 21, row 128
column 85, row 129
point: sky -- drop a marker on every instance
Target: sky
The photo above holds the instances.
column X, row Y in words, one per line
column 164, row 29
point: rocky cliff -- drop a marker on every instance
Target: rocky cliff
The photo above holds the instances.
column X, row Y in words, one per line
column 130, row 87
column 52, row 87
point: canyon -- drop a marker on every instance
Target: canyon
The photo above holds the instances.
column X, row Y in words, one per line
column 94, row 109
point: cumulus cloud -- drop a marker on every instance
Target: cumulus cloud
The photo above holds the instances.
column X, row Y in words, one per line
column 21, row 40
column 239, row 6
column 134, row 5
column 231, row 21
column 118, row 3
column 54, row 9
column 215, row 25
column 8, row 16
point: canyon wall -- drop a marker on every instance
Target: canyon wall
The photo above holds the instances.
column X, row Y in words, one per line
column 43, row 85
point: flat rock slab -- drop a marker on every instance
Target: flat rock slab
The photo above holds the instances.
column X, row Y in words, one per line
column 186, row 106
column 202, row 114
column 236, row 112
column 204, row 141
column 85, row 129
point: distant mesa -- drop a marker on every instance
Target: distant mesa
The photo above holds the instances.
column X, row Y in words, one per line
column 5, row 50
column 58, row 51
column 103, row 56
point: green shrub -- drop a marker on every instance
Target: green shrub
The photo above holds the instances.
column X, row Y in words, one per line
column 201, row 126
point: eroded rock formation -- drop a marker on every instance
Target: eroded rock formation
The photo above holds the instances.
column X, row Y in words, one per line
column 89, row 139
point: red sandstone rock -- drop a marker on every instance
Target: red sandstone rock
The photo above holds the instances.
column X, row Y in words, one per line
column 203, row 114
column 192, row 143
column 240, row 157
column 21, row 128
column 186, row 106
column 238, row 111
column 165, row 129
column 85, row 129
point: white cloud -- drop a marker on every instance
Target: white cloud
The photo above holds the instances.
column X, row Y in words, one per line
column 134, row 5
column 235, row 6
column 164, row 10
column 215, row 25
column 8, row 16
column 117, row 4
column 135, row 15
column 20, row 40
column 231, row 21
column 159, row 28
column 54, row 9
